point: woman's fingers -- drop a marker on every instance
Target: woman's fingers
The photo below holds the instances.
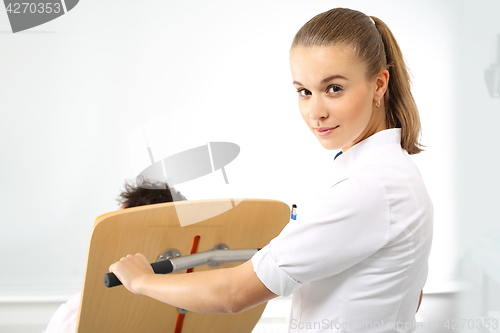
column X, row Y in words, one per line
column 130, row 269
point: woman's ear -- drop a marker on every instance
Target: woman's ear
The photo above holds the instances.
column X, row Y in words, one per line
column 382, row 83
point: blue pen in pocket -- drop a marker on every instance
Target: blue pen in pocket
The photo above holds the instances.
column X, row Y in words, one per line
column 294, row 212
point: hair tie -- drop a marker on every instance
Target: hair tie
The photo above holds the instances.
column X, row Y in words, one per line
column 371, row 20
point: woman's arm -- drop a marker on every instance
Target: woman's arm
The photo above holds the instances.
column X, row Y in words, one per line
column 228, row 290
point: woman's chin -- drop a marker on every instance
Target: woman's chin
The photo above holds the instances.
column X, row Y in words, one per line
column 330, row 145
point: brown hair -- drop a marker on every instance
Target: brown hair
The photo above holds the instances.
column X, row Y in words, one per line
column 148, row 193
column 374, row 45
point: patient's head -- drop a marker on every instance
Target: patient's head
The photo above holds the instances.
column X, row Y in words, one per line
column 147, row 193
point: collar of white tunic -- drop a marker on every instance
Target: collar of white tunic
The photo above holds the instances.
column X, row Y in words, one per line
column 366, row 148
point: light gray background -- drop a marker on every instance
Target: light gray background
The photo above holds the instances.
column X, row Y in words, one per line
column 74, row 92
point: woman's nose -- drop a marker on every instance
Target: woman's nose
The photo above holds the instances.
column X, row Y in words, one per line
column 317, row 109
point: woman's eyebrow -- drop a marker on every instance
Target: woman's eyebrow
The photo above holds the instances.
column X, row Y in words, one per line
column 325, row 80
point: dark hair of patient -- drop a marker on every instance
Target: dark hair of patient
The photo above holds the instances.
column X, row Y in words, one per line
column 147, row 193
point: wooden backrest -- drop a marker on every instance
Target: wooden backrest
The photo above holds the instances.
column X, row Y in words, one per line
column 243, row 223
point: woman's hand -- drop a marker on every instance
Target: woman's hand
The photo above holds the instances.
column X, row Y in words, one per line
column 131, row 270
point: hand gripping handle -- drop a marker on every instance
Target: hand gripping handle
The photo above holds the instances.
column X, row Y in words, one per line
column 161, row 267
column 194, row 260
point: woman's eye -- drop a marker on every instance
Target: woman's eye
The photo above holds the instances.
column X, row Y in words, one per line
column 303, row 92
column 334, row 88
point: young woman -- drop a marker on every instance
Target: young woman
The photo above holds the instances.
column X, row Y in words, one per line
column 356, row 257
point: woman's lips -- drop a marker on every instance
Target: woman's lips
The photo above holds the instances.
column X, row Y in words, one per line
column 325, row 132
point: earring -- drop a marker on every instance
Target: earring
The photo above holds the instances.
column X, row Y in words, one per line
column 377, row 104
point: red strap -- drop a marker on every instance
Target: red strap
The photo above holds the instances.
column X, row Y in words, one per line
column 194, row 249
column 180, row 316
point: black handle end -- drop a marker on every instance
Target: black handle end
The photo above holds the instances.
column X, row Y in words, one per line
column 110, row 280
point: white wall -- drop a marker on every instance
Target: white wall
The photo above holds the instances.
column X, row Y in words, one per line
column 74, row 89
column 478, row 162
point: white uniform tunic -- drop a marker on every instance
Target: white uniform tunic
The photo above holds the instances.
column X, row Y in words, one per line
column 356, row 258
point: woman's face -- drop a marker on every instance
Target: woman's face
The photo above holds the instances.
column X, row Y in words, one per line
column 334, row 93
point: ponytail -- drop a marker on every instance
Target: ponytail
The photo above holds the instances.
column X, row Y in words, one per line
column 401, row 109
column 374, row 45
